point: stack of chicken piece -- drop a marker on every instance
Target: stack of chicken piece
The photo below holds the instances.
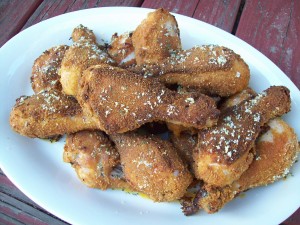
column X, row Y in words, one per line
column 223, row 137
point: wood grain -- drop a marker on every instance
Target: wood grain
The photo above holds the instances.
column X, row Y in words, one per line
column 16, row 208
column 273, row 28
column 221, row 14
column 51, row 8
column 176, row 6
column 270, row 26
column 13, row 16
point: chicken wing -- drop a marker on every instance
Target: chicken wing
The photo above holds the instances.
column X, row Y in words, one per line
column 95, row 160
column 152, row 166
column 121, row 50
column 276, row 151
column 83, row 53
column 212, row 69
column 156, row 37
column 223, row 152
column 47, row 114
column 123, row 101
column 44, row 75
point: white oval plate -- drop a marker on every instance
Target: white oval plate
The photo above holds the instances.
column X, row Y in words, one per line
column 36, row 166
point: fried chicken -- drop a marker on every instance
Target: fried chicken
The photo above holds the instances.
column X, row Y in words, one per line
column 276, row 151
column 212, row 69
column 184, row 145
column 95, row 160
column 123, row 101
column 237, row 98
column 83, row 33
column 47, row 114
column 177, row 129
column 156, row 37
column 152, row 166
column 83, row 53
column 121, row 50
column 112, row 100
column 44, row 75
column 223, row 152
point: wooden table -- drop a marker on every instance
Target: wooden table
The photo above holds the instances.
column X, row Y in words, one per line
column 270, row 26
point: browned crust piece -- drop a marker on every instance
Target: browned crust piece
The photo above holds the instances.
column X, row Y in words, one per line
column 276, row 150
column 81, row 32
column 184, row 145
column 123, row 101
column 177, row 129
column 121, row 50
column 44, row 75
column 212, row 69
column 222, row 154
column 237, row 98
column 83, row 53
column 95, row 160
column 47, row 114
column 156, row 37
column 152, row 166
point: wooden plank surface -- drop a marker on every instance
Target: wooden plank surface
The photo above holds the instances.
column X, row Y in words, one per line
column 218, row 13
column 176, row 6
column 51, row 8
column 221, row 14
column 13, row 16
column 16, row 208
column 270, row 26
column 273, row 28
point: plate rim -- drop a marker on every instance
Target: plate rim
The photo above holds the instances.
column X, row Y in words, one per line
column 42, row 23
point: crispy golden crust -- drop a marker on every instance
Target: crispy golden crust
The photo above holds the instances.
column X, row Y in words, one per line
column 276, row 151
column 156, row 37
column 222, row 153
column 123, row 101
column 177, row 129
column 184, row 144
column 84, row 53
column 44, row 75
column 152, row 166
column 237, row 98
column 214, row 70
column 47, row 114
column 94, row 159
column 121, row 50
column 81, row 32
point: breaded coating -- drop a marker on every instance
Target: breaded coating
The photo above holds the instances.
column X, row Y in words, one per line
column 212, row 69
column 44, row 75
column 152, row 166
column 121, row 50
column 185, row 144
column 123, row 101
column 47, row 114
column 113, row 100
column 95, row 160
column 83, row 53
column 223, row 152
column 156, row 37
column 276, row 151
column 237, row 98
column 81, row 32
column 177, row 129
